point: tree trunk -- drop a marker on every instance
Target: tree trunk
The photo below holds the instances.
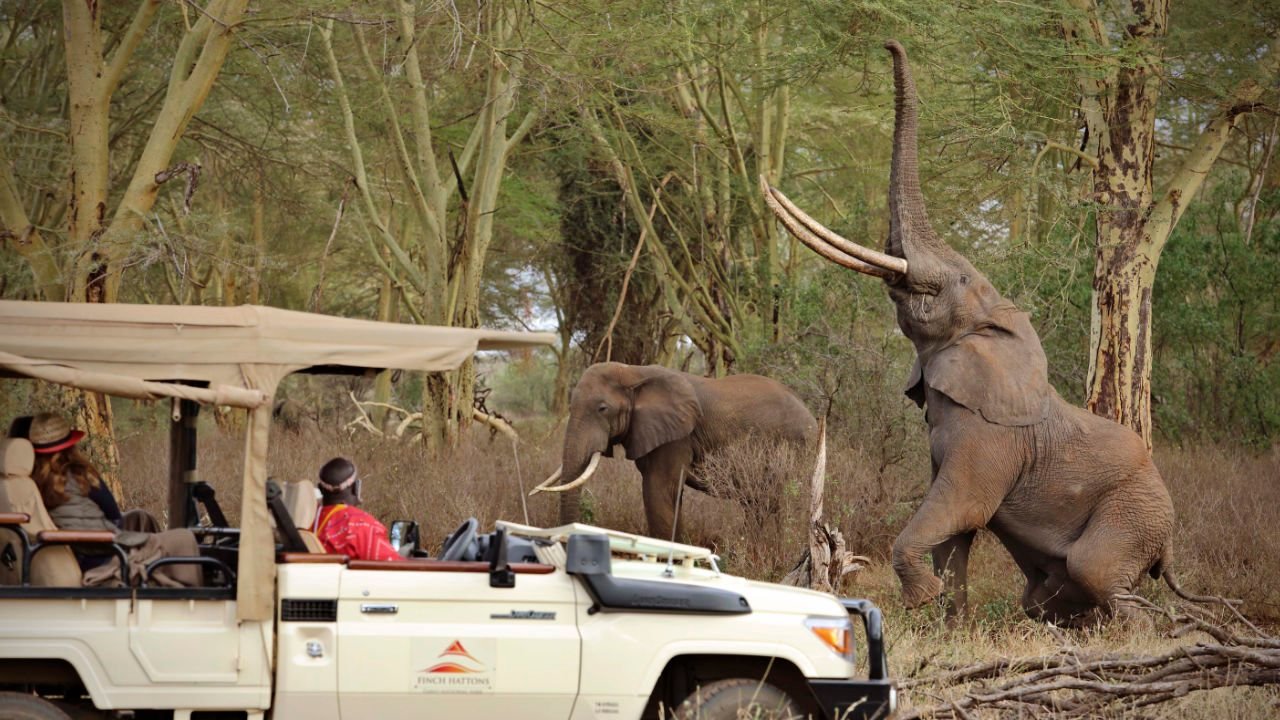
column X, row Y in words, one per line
column 259, row 237
column 91, row 412
column 1120, row 340
column 89, row 103
column 1119, row 99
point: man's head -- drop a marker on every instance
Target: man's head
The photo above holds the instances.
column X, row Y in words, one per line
column 339, row 482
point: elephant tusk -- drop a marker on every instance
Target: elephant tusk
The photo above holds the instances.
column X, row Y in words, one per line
column 866, row 255
column 827, row 243
column 586, row 475
column 554, row 477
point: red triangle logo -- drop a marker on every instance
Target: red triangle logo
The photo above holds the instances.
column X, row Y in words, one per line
column 456, row 648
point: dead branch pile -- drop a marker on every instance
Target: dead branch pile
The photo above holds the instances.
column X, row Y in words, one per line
column 1074, row 684
column 496, row 422
column 825, row 561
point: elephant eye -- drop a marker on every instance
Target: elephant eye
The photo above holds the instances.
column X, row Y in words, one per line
column 964, row 279
column 604, row 408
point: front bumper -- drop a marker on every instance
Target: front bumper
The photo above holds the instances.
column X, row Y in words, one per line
column 872, row 698
column 855, row 699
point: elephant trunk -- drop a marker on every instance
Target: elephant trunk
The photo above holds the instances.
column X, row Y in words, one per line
column 909, row 228
column 582, row 443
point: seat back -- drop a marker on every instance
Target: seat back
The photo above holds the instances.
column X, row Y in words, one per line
column 54, row 566
column 301, row 499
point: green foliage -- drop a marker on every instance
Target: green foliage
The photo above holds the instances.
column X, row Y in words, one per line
column 1218, row 324
column 996, row 85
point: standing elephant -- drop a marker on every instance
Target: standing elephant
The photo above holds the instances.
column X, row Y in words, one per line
column 1074, row 497
column 668, row 421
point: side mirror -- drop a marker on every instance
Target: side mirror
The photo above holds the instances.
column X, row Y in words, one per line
column 404, row 536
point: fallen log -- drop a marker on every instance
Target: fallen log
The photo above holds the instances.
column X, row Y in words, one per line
column 1074, row 684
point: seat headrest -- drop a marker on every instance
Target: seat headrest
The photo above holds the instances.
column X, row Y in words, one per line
column 301, row 499
column 17, row 457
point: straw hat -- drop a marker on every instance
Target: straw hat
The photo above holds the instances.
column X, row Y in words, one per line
column 51, row 433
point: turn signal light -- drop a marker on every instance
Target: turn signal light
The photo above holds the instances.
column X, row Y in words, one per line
column 835, row 633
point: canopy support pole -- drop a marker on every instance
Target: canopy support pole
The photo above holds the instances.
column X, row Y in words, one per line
column 182, row 465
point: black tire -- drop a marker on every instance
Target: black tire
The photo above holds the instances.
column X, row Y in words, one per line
column 17, row 706
column 738, row 699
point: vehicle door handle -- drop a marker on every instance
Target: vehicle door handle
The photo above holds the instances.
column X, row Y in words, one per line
column 379, row 608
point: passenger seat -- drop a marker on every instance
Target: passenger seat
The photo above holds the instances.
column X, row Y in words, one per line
column 302, row 500
column 52, row 567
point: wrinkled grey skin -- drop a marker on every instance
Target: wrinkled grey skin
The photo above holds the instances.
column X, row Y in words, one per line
column 1074, row 497
column 667, row 421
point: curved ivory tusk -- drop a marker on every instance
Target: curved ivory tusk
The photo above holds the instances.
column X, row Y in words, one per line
column 866, row 255
column 826, row 243
column 554, row 477
column 586, row 475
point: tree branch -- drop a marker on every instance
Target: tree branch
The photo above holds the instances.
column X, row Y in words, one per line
column 115, row 66
column 1178, row 191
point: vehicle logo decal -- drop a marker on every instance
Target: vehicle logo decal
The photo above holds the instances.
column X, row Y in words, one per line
column 457, row 668
column 455, row 649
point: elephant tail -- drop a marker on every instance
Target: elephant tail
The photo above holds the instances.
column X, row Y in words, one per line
column 1162, row 570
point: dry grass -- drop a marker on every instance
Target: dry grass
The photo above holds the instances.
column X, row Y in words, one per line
column 1228, row 505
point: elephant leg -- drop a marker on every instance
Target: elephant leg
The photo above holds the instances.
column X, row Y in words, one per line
column 966, row 492
column 1108, row 560
column 1051, row 596
column 951, row 560
column 661, row 471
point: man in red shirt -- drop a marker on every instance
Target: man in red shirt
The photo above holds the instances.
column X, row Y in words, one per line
column 342, row 527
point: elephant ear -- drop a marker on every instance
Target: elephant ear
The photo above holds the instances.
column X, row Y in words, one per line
column 665, row 408
column 915, row 384
column 999, row 371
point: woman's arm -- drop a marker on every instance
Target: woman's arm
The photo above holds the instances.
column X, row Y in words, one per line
column 101, row 495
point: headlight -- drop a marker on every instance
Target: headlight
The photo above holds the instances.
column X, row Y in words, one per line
column 835, row 633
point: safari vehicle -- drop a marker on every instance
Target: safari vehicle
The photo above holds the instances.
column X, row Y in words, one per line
column 521, row 622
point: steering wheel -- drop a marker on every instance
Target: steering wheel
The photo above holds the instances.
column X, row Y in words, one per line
column 461, row 543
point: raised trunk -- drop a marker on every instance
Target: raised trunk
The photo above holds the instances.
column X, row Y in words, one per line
column 908, row 221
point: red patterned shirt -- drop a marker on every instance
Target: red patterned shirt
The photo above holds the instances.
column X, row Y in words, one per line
column 350, row 531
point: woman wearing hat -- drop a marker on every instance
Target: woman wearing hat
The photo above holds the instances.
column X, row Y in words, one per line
column 77, row 499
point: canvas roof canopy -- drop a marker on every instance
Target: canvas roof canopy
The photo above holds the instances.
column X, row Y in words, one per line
column 216, row 344
column 234, row 356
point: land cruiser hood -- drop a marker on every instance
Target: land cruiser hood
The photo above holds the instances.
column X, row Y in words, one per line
column 764, row 597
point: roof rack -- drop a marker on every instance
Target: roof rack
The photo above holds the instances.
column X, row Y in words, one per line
column 643, row 548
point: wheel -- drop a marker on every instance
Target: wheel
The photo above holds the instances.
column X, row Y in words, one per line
column 17, row 706
column 738, row 699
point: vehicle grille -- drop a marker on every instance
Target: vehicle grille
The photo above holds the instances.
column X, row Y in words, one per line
column 308, row 610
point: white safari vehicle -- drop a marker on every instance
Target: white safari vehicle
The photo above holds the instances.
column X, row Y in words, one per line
column 521, row 622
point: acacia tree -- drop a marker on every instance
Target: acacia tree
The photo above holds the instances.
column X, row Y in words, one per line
column 438, row 250
column 1121, row 83
column 87, row 265
column 685, row 148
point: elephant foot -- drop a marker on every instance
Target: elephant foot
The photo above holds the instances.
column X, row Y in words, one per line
column 922, row 592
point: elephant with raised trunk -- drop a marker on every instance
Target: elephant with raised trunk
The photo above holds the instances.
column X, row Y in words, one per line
column 1075, row 498
column 667, row 422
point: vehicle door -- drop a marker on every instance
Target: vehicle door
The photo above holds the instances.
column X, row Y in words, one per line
column 431, row 638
